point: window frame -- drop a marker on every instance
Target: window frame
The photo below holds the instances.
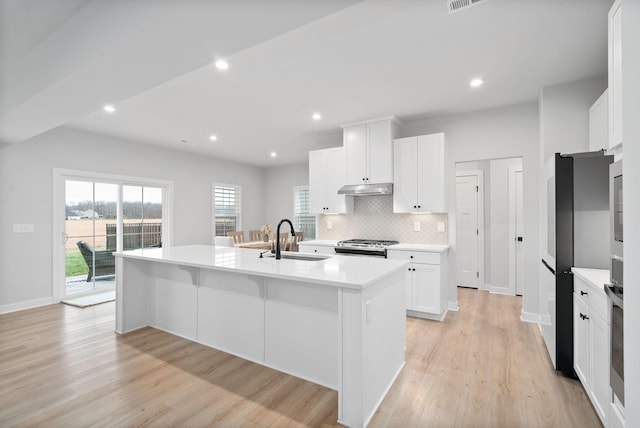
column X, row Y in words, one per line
column 296, row 215
column 239, row 206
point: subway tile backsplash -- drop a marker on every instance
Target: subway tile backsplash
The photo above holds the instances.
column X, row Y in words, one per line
column 373, row 218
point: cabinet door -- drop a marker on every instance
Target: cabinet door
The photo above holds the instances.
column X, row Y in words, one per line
column 405, row 175
column 426, row 288
column 335, row 176
column 615, row 75
column 431, row 173
column 409, row 288
column 581, row 348
column 355, row 144
column 317, row 183
column 599, row 123
column 379, row 152
column 600, row 346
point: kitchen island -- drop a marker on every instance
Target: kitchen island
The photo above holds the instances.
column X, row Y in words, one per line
column 335, row 321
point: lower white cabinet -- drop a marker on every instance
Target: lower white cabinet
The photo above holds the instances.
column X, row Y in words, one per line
column 426, row 288
column 591, row 343
column 317, row 249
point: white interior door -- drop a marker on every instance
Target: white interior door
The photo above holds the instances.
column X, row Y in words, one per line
column 467, row 234
column 519, row 241
column 516, row 232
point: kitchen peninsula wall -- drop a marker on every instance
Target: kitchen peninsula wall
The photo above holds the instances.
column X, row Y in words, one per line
column 373, row 218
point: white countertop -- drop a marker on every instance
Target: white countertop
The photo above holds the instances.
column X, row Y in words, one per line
column 597, row 277
column 340, row 271
column 420, row 247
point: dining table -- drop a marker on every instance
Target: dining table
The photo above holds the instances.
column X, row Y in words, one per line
column 256, row 245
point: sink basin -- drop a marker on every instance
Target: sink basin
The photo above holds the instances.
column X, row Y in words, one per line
column 304, row 257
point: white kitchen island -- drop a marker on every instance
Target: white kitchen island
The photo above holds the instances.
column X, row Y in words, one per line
column 337, row 322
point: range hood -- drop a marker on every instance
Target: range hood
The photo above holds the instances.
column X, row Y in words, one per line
column 366, row 189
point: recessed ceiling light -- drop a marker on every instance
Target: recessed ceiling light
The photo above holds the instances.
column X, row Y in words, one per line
column 316, row 116
column 222, row 64
column 213, row 137
column 273, row 154
column 109, row 108
column 476, row 83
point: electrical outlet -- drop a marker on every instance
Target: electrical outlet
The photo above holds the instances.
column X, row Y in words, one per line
column 416, row 226
column 441, row 228
column 23, row 228
column 329, row 224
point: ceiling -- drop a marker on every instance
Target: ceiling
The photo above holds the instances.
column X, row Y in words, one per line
column 62, row 60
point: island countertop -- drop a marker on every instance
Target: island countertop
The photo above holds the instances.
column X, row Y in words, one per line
column 339, row 271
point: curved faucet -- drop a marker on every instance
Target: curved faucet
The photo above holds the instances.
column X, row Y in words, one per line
column 293, row 233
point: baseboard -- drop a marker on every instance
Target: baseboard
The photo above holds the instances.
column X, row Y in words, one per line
column 28, row 304
column 500, row 290
column 530, row 317
column 453, row 306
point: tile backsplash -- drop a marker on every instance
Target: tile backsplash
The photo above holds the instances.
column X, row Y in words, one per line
column 373, row 218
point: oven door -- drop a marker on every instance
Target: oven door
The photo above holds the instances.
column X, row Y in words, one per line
column 617, row 341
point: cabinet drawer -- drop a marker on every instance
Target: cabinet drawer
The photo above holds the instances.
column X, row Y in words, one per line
column 594, row 297
column 415, row 256
column 318, row 249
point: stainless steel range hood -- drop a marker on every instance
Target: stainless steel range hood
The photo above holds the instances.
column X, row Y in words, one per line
column 366, row 189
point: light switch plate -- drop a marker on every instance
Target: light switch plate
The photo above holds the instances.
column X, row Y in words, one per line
column 416, row 226
column 441, row 228
column 23, row 228
column 329, row 224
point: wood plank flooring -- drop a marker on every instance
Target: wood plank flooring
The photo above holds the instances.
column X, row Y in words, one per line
column 62, row 366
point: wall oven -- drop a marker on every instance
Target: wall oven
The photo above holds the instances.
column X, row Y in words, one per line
column 615, row 290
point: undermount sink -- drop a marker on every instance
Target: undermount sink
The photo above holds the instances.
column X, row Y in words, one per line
column 304, row 257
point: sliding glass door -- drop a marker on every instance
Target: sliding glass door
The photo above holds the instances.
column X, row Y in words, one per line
column 102, row 216
column 91, row 221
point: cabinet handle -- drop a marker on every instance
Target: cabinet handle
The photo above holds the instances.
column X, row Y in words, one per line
column 415, row 206
column 315, row 251
column 411, row 257
column 583, row 316
column 409, row 269
column 364, row 179
column 419, row 206
column 414, row 269
column 582, row 293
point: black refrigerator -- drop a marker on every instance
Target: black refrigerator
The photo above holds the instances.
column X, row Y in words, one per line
column 568, row 191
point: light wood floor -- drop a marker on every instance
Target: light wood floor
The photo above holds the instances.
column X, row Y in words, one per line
column 62, row 366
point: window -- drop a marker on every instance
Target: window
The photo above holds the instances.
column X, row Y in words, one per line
column 302, row 220
column 227, row 203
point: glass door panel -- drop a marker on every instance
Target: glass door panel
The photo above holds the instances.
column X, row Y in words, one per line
column 90, row 226
column 152, row 216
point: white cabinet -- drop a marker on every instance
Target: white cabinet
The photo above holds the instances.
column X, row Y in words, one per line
column 327, row 170
column 599, row 123
column 369, row 151
column 426, row 282
column 615, row 75
column 318, row 249
column 418, row 174
column 591, row 343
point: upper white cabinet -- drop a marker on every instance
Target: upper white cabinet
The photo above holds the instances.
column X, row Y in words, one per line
column 327, row 170
column 369, row 151
column 615, row 75
column 599, row 123
column 418, row 174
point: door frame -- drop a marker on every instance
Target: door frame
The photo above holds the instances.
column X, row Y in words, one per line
column 479, row 174
column 512, row 229
column 60, row 176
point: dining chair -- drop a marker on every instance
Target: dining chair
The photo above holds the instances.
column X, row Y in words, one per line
column 223, row 241
column 284, row 239
column 238, row 236
column 292, row 245
column 255, row 235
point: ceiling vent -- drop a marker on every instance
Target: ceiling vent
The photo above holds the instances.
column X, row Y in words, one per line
column 457, row 5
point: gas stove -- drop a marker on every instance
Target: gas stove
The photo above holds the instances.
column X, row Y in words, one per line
column 364, row 247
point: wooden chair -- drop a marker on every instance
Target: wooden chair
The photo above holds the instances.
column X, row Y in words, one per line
column 255, row 235
column 292, row 245
column 284, row 239
column 238, row 236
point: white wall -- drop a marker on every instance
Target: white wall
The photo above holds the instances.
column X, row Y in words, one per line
column 631, row 134
column 26, row 197
column 279, row 183
column 564, row 115
column 492, row 134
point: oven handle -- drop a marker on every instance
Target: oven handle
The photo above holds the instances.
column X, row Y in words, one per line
column 615, row 299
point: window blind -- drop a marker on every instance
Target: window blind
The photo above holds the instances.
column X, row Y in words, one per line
column 302, row 220
column 227, row 206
